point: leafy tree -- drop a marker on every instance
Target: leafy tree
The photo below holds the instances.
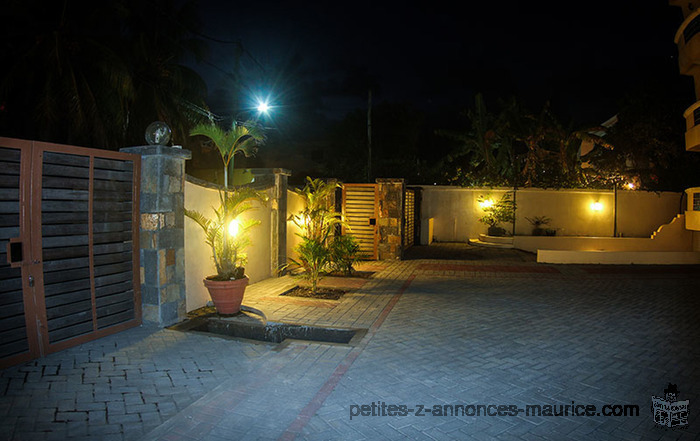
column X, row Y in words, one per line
column 646, row 146
column 483, row 154
column 497, row 212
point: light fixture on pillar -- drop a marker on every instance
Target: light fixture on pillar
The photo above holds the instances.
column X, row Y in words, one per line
column 158, row 133
column 597, row 206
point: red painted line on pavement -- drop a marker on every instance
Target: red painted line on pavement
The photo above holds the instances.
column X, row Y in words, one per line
column 317, row 401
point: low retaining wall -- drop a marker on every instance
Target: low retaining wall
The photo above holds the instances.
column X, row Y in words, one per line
column 619, row 257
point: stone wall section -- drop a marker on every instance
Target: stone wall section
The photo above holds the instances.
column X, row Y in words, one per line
column 390, row 220
column 162, row 233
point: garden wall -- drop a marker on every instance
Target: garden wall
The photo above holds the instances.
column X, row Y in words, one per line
column 295, row 204
column 455, row 211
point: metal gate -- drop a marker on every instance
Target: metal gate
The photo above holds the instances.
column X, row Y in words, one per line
column 69, row 266
column 360, row 213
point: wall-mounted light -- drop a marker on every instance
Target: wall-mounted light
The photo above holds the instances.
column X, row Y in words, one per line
column 233, row 227
column 486, row 203
column 596, row 206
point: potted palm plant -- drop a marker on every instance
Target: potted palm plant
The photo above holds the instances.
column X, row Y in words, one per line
column 225, row 233
column 537, row 223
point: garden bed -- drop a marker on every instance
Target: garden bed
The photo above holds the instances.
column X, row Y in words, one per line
column 323, row 293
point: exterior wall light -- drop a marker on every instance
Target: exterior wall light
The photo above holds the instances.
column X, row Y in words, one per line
column 596, row 206
column 233, row 227
column 485, row 203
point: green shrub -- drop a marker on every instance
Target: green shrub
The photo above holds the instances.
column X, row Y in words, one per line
column 345, row 253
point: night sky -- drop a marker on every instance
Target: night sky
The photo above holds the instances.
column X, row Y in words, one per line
column 582, row 57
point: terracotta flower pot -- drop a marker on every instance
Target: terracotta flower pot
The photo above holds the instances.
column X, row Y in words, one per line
column 227, row 295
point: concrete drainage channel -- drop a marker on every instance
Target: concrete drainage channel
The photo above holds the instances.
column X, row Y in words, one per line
column 252, row 324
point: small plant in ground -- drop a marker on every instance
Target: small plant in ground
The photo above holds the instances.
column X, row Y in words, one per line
column 317, row 221
column 497, row 212
column 313, row 257
column 345, row 253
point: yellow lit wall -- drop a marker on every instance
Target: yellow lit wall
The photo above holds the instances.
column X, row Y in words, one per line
column 455, row 211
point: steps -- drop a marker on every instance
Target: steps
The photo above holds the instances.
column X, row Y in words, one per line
column 492, row 241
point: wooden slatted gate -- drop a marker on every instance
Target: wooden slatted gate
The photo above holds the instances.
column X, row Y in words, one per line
column 360, row 213
column 409, row 219
column 69, row 241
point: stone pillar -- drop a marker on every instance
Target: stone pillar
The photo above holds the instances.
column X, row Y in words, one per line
column 162, row 233
column 278, row 222
column 390, row 220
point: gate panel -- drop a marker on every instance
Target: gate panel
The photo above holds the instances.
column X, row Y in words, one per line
column 360, row 213
column 112, row 242
column 409, row 219
column 16, row 343
column 72, row 214
column 65, row 251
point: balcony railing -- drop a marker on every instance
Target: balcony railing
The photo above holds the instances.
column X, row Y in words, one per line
column 692, row 127
column 692, row 28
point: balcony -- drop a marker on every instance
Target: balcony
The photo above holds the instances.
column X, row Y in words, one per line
column 692, row 127
column 688, row 43
column 692, row 214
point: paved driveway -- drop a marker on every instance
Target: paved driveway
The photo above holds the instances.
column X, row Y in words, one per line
column 491, row 329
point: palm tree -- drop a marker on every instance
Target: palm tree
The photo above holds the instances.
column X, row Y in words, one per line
column 242, row 138
column 317, row 222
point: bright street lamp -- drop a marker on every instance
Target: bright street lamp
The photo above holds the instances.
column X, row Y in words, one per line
column 263, row 107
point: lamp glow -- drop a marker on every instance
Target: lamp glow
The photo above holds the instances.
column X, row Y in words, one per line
column 596, row 206
column 486, row 203
column 630, row 185
column 263, row 107
column 233, row 227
